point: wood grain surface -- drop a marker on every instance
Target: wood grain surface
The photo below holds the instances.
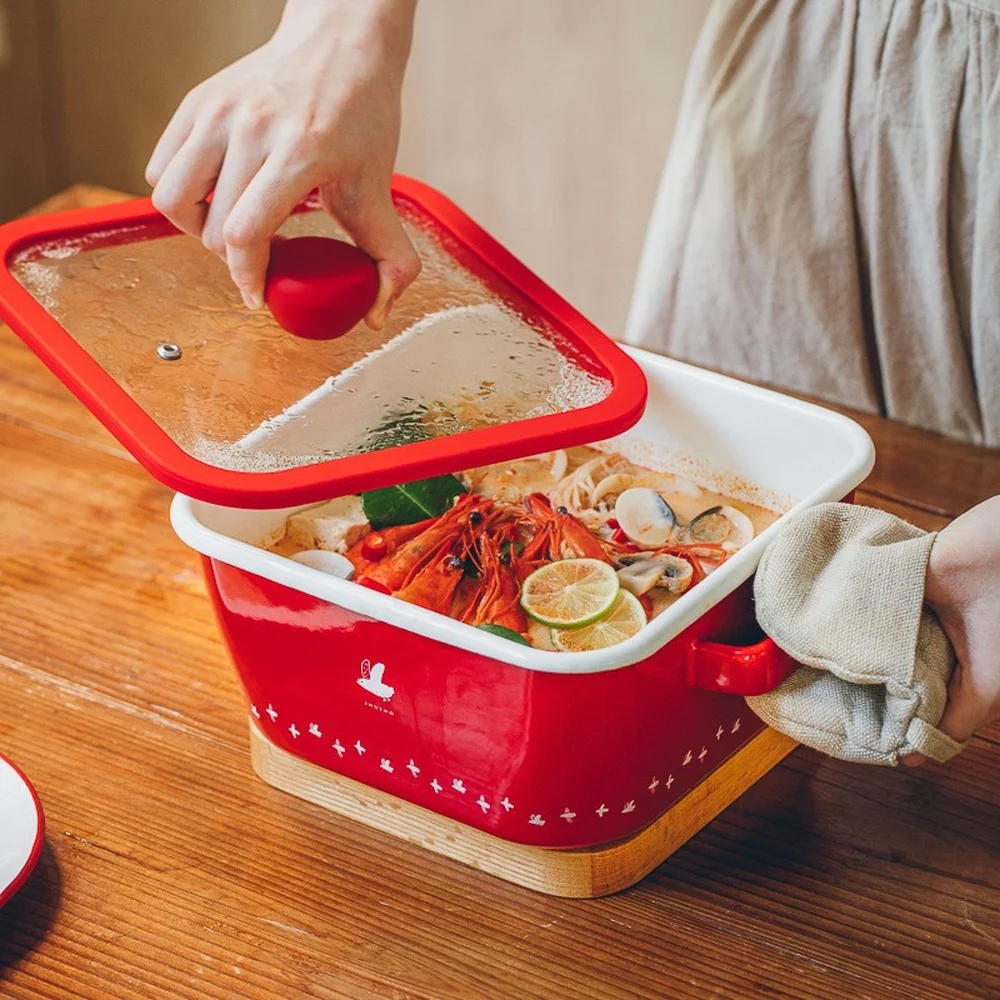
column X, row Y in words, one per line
column 171, row 871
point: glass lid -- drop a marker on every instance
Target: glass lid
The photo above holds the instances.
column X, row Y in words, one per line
column 479, row 361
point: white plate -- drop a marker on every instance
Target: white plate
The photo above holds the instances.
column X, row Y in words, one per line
column 22, row 829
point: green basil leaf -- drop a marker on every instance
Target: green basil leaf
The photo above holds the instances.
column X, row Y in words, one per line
column 505, row 633
column 410, row 502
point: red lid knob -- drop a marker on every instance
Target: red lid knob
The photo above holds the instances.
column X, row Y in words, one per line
column 319, row 288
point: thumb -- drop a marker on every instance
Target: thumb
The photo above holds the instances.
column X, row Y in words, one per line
column 967, row 708
column 375, row 227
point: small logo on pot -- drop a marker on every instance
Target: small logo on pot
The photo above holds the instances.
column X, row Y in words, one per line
column 371, row 680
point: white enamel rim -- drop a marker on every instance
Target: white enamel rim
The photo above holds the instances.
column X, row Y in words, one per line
column 22, row 829
column 656, row 634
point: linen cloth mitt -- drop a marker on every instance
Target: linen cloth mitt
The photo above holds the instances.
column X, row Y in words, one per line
column 841, row 590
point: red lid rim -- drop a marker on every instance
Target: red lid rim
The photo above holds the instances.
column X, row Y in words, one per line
column 170, row 464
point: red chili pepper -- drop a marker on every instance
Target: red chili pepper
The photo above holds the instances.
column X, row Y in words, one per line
column 620, row 536
column 367, row 581
column 612, row 523
column 374, row 546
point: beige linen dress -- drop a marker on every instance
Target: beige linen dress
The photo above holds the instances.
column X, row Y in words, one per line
column 829, row 217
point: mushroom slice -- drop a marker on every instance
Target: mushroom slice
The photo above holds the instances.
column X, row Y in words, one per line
column 725, row 526
column 640, row 574
column 677, row 574
column 645, row 517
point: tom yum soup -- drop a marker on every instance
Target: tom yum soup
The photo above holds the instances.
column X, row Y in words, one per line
column 572, row 550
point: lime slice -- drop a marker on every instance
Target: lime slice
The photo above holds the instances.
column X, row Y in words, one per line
column 623, row 621
column 504, row 633
column 570, row 593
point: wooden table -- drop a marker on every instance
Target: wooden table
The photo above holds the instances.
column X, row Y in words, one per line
column 170, row 871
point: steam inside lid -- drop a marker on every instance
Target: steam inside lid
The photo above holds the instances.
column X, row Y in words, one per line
column 456, row 355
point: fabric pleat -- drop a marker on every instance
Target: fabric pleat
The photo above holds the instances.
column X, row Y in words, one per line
column 829, row 216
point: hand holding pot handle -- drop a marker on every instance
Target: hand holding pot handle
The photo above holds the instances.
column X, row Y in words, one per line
column 963, row 589
column 841, row 589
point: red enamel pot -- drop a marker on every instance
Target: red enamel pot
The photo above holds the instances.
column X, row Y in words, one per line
column 553, row 749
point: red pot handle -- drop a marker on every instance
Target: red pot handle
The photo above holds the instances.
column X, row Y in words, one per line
column 754, row 669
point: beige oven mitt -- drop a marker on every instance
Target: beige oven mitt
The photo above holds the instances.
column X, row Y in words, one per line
column 841, row 590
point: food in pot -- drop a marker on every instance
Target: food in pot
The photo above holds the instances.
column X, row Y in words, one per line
column 624, row 620
column 326, row 562
column 335, row 525
column 570, row 593
column 724, row 525
column 574, row 550
column 645, row 517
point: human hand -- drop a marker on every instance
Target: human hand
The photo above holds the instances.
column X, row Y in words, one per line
column 317, row 106
column 963, row 590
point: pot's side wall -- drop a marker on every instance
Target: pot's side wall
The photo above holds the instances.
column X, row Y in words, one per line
column 544, row 759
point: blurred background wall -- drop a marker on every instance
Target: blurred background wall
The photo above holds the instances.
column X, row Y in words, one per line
column 547, row 120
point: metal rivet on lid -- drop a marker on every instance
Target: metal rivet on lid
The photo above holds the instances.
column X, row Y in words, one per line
column 168, row 352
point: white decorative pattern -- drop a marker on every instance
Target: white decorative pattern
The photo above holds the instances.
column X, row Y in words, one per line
column 569, row 814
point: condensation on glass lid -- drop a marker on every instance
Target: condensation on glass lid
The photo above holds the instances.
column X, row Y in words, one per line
column 487, row 368
column 242, row 394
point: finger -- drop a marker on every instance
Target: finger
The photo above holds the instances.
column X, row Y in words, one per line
column 964, row 712
column 375, row 227
column 242, row 162
column 174, row 136
column 188, row 180
column 913, row 760
column 266, row 202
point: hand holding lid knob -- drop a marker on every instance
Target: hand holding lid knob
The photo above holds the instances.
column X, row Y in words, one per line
column 319, row 288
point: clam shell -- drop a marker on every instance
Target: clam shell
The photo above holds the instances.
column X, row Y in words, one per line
column 720, row 525
column 645, row 517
